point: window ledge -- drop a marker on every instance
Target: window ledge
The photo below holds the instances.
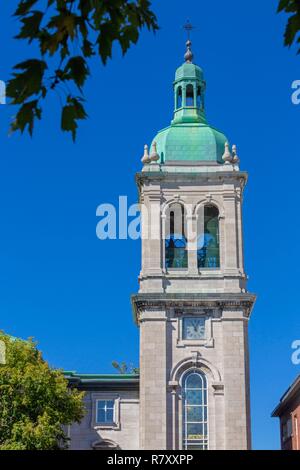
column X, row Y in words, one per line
column 210, row 270
column 171, row 271
column 107, row 427
column 205, row 343
column 176, row 270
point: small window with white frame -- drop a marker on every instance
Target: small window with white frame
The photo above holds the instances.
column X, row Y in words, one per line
column 105, row 412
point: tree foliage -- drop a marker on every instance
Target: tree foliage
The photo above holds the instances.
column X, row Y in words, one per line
column 124, row 368
column 68, row 34
column 35, row 401
column 291, row 35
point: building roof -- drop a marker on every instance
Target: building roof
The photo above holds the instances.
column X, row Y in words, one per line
column 292, row 392
column 191, row 142
column 188, row 71
column 102, row 381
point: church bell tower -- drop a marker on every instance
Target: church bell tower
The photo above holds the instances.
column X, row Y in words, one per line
column 193, row 306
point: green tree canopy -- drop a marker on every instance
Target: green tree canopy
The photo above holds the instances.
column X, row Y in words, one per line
column 68, row 34
column 35, row 401
column 291, row 35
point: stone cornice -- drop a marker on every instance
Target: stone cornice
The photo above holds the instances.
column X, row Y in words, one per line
column 195, row 177
column 141, row 302
column 194, row 276
column 190, row 177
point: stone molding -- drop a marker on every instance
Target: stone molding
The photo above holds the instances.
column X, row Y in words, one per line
column 208, row 176
column 190, row 362
column 218, row 388
column 153, row 302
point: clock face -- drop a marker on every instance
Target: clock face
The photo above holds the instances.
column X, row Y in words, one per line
column 194, row 328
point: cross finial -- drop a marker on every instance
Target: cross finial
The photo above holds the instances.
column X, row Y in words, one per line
column 188, row 28
column 188, row 57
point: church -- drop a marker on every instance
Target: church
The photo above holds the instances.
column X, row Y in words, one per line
column 192, row 308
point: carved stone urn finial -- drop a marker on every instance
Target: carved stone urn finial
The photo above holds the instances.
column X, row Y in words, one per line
column 227, row 157
column 154, row 157
column 235, row 158
column 146, row 157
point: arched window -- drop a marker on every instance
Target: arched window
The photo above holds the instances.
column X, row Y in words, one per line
column 195, row 411
column 190, row 96
column 179, row 98
column 199, row 98
column 175, row 240
column 208, row 242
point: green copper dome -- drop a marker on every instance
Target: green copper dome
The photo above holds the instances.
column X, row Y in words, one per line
column 190, row 138
column 191, row 142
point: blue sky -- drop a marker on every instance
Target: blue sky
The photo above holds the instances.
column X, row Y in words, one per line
column 71, row 291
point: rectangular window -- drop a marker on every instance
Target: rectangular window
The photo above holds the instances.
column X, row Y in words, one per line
column 105, row 412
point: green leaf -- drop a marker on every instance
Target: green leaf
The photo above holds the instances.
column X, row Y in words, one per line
column 71, row 113
column 95, row 26
column 105, row 40
column 28, row 82
column 35, row 400
column 293, row 28
column 24, row 7
column 130, row 34
column 85, row 8
column 64, row 23
column 25, row 117
column 52, row 42
column 77, row 70
column 87, row 48
column 31, row 26
column 282, row 5
column 290, row 6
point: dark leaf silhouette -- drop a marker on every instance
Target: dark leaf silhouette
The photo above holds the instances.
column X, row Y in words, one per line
column 71, row 113
column 124, row 368
column 26, row 116
column 69, row 32
column 28, row 82
column 292, row 31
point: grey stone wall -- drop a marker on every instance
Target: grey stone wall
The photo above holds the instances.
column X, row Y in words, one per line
column 126, row 433
column 223, row 356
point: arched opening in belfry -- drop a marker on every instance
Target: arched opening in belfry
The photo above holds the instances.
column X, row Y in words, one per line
column 190, row 96
column 208, row 240
column 176, row 255
column 179, row 98
column 199, row 98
